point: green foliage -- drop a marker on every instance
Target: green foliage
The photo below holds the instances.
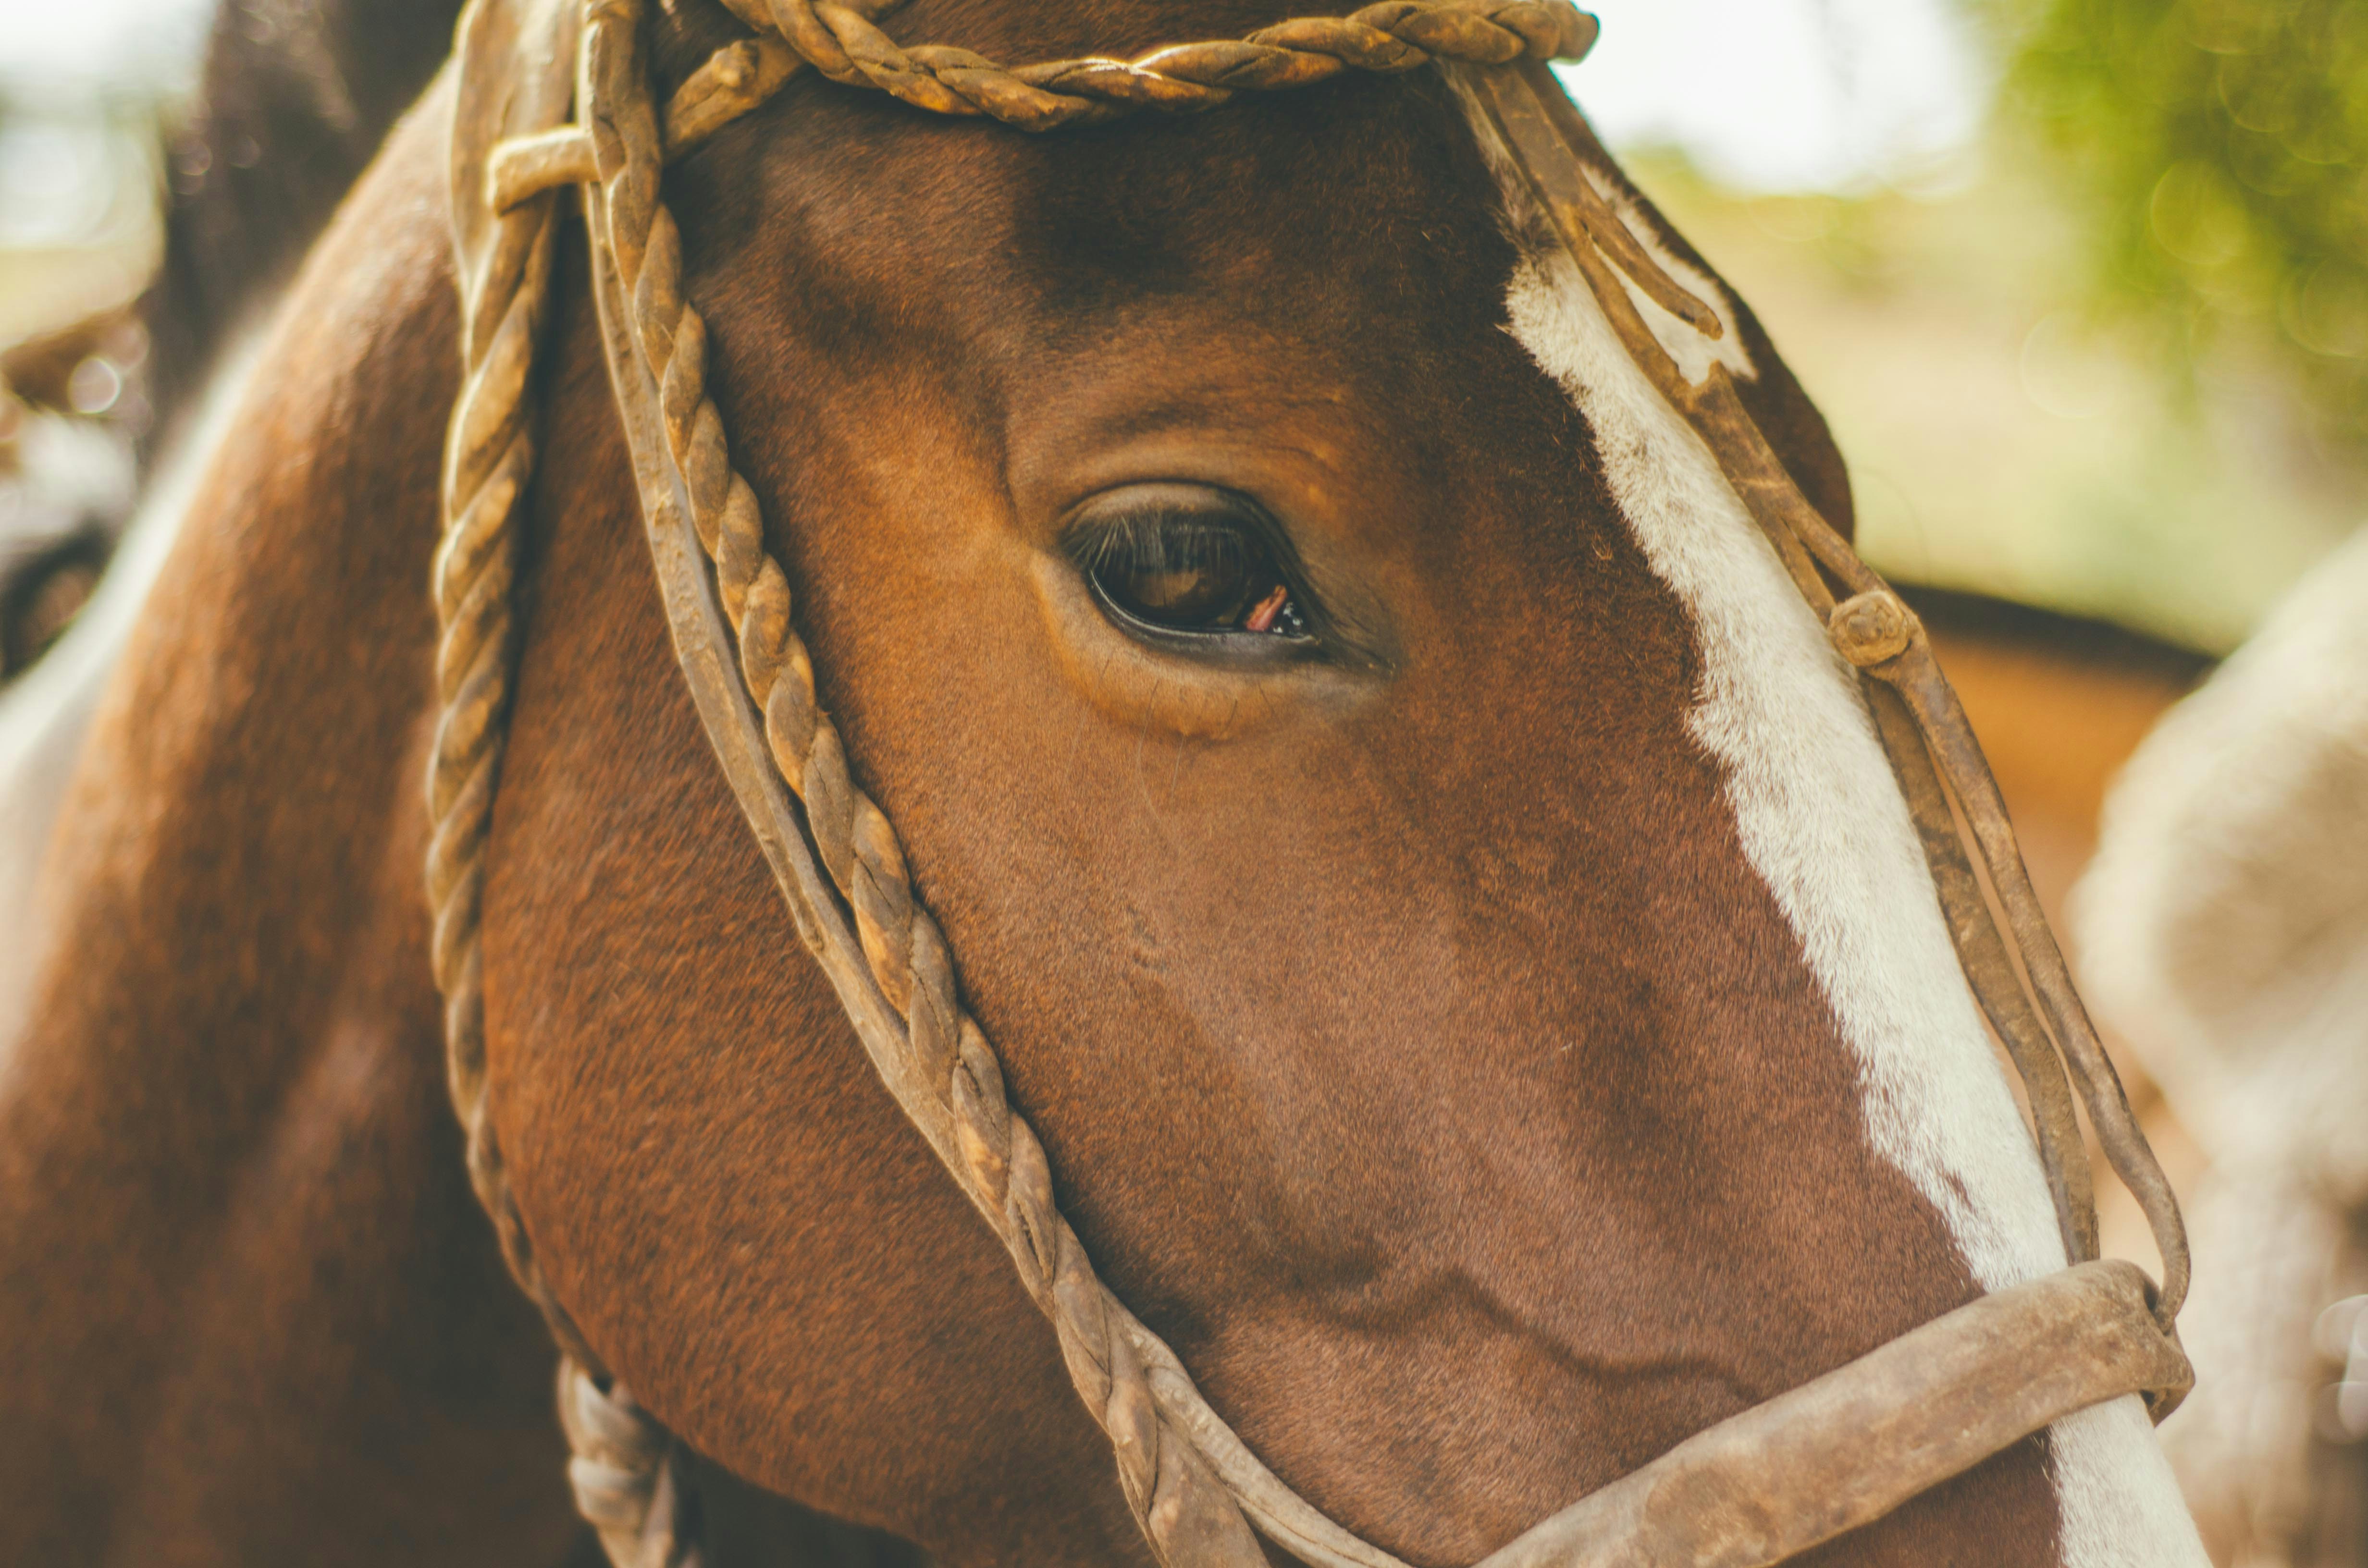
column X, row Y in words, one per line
column 2222, row 148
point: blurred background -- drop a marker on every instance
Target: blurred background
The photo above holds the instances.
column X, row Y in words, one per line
column 83, row 91
column 2081, row 284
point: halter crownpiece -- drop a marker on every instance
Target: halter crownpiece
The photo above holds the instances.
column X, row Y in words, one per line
column 1873, row 1434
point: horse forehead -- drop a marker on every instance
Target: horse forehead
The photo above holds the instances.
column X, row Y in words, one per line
column 1325, row 267
column 1322, row 195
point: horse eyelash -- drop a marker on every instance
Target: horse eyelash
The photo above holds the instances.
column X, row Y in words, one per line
column 1169, row 539
column 1168, row 542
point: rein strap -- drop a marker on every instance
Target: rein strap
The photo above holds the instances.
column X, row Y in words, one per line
column 1773, row 1482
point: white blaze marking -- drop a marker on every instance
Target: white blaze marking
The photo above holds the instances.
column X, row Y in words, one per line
column 1826, row 829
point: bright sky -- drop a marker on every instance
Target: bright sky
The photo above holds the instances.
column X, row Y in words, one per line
column 61, row 49
column 1782, row 95
column 1787, row 95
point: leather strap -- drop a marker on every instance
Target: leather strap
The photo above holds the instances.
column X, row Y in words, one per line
column 1850, row 1447
column 1923, row 727
column 1775, row 1480
column 1765, row 1485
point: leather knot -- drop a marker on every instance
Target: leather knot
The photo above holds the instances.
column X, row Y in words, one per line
column 1872, row 629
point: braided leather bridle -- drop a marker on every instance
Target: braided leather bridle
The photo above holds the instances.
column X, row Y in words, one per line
column 1830, row 1455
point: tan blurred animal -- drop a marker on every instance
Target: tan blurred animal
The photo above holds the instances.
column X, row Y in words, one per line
column 2227, row 929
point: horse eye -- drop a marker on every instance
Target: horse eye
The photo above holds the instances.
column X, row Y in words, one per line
column 1182, row 560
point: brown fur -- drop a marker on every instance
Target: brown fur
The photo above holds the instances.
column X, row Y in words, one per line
column 252, row 1315
column 1416, row 1049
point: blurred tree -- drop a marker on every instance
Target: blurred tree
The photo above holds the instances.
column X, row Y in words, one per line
column 2222, row 148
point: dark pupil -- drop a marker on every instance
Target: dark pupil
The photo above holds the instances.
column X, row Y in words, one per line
column 1185, row 574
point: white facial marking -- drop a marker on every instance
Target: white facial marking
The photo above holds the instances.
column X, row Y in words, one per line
column 2120, row 1503
column 1826, row 829
column 1813, row 796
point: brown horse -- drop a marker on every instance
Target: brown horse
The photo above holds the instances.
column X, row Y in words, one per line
column 1493, row 1029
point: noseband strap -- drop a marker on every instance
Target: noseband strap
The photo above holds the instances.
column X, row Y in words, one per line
column 1847, row 1449
column 1768, row 1484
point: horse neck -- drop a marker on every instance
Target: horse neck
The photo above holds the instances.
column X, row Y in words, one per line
column 271, row 1294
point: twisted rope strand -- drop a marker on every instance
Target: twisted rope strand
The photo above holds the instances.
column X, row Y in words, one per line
column 489, row 459
column 1188, row 1479
column 1180, row 1505
column 623, row 1470
column 1394, row 34
column 844, row 43
column 490, row 451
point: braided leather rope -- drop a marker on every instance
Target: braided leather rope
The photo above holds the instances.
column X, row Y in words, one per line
column 626, row 1478
column 488, row 462
column 1918, row 718
column 1182, row 1508
column 1396, row 35
column 844, row 43
column 1194, row 1487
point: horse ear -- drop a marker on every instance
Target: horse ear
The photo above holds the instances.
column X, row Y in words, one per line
column 1774, row 396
